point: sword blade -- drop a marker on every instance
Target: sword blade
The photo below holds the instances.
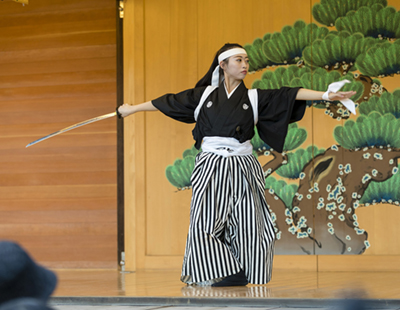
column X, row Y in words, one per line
column 92, row 120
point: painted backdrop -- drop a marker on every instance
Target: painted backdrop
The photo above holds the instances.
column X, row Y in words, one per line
column 335, row 168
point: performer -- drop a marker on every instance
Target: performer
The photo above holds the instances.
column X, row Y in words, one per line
column 231, row 235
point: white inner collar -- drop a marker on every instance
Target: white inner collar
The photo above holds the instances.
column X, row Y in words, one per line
column 227, row 94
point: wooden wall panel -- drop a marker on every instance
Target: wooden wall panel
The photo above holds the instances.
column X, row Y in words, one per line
column 58, row 67
column 175, row 70
column 169, row 46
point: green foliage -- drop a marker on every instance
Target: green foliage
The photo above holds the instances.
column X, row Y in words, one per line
column 375, row 81
column 383, row 192
column 190, row 152
column 257, row 59
column 294, row 138
column 386, row 103
column 317, row 79
column 320, row 79
column 375, row 21
column 180, row 172
column 328, row 11
column 280, row 77
column 283, row 190
column 338, row 50
column 297, row 161
column 369, row 130
column 380, row 60
column 287, row 46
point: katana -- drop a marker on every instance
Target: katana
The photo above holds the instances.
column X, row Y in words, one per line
column 92, row 120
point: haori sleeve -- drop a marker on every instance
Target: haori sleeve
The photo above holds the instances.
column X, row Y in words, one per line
column 277, row 108
column 180, row 106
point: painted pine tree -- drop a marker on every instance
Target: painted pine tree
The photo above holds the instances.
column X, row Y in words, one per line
column 363, row 57
column 357, row 41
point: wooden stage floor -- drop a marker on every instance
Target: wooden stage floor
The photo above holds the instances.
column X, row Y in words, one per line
column 164, row 287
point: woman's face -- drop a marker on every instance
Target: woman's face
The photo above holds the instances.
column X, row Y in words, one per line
column 237, row 67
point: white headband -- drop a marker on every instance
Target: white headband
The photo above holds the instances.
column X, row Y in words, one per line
column 231, row 52
column 221, row 57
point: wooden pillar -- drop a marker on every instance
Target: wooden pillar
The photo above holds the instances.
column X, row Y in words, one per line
column 133, row 30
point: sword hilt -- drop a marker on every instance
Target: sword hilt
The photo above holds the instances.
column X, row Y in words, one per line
column 118, row 114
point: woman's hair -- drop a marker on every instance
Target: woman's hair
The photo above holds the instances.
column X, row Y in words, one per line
column 206, row 79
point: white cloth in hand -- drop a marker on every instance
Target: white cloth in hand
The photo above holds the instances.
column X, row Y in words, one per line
column 335, row 87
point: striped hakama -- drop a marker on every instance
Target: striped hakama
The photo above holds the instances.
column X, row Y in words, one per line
column 230, row 226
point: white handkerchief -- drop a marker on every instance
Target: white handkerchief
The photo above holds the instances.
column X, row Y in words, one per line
column 336, row 86
column 348, row 103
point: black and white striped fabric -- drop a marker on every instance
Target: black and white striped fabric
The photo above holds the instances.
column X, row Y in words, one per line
column 230, row 226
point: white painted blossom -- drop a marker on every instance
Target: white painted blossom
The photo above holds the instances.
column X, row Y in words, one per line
column 301, row 235
column 296, row 209
column 366, row 178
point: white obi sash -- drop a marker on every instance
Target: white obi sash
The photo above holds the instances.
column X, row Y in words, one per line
column 226, row 146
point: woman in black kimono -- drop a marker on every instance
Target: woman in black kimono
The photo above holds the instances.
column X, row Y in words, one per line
column 231, row 235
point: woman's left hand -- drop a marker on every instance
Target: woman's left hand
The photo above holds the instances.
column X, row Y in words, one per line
column 340, row 95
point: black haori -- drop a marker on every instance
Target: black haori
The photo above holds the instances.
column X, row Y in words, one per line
column 230, row 226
